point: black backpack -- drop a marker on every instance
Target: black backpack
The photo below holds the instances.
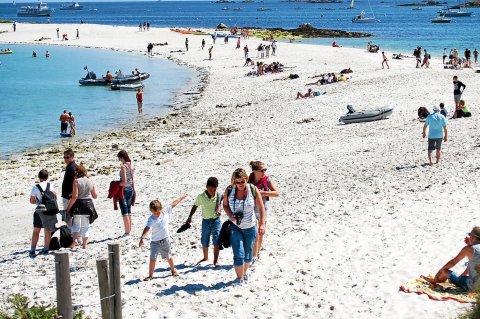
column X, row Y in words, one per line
column 66, row 238
column 49, row 199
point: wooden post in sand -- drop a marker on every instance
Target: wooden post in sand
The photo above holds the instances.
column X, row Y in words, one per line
column 104, row 286
column 64, row 289
column 115, row 285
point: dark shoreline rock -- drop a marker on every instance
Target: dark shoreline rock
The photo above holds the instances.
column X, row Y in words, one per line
column 305, row 31
column 422, row 4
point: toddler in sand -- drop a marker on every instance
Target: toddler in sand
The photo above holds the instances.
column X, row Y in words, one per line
column 160, row 241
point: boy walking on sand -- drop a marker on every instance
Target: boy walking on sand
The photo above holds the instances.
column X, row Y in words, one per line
column 160, row 240
column 209, row 201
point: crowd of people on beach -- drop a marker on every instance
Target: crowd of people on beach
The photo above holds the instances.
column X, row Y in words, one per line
column 244, row 203
column 456, row 62
column 145, row 26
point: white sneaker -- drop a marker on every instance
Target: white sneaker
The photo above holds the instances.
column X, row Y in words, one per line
column 125, row 235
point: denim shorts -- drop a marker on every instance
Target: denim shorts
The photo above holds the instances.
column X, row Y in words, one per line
column 434, row 144
column 242, row 241
column 161, row 247
column 460, row 281
column 126, row 202
column 211, row 228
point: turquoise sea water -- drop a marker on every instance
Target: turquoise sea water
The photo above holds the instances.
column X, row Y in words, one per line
column 35, row 91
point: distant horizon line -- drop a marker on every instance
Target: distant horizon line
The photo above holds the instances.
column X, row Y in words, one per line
column 104, row 1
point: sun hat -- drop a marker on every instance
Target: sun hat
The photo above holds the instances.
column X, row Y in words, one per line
column 436, row 108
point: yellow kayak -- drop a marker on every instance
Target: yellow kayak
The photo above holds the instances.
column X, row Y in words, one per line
column 6, row 52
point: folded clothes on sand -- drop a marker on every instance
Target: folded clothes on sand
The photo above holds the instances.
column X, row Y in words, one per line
column 442, row 292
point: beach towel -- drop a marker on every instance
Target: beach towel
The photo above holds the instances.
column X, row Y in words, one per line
column 441, row 292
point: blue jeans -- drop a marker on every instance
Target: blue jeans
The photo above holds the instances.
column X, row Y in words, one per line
column 242, row 241
column 458, row 280
column 210, row 227
column 126, row 201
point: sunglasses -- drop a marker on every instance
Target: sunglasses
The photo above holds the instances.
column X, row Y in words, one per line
column 242, row 182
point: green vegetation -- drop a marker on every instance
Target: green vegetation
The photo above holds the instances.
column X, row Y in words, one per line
column 473, row 312
column 17, row 307
column 6, row 21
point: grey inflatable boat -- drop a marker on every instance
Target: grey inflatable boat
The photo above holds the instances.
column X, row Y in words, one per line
column 354, row 116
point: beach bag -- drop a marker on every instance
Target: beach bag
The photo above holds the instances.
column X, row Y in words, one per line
column 66, row 238
column 54, row 244
column 316, row 93
column 49, row 199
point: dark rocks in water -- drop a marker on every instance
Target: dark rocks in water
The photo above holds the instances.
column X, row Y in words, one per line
column 222, row 26
column 422, row 4
column 308, row 31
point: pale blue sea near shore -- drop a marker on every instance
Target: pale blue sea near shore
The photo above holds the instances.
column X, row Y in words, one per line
column 34, row 91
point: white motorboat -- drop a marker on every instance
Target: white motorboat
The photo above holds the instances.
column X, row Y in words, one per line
column 40, row 10
column 362, row 18
column 441, row 19
column 72, row 6
column 127, row 87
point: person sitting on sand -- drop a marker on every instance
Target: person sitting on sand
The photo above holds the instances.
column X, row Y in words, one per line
column 335, row 44
column 422, row 113
column 302, row 96
column 346, row 71
column 160, row 240
column 461, row 110
column 209, row 200
column 468, row 280
column 443, row 110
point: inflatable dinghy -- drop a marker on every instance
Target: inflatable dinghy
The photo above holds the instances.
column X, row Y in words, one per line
column 354, row 116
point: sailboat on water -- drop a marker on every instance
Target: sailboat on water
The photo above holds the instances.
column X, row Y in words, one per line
column 352, row 5
column 362, row 18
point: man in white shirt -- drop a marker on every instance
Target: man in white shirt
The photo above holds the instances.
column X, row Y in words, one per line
column 40, row 220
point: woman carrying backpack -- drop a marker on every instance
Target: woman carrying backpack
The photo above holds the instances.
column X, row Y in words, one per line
column 126, row 181
column 267, row 189
column 81, row 205
column 239, row 201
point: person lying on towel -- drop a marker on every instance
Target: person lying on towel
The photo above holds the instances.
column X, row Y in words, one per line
column 466, row 280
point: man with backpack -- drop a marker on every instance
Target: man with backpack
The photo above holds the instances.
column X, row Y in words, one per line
column 67, row 184
column 45, row 215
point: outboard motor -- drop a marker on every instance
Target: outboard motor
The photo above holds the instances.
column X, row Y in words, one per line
column 350, row 109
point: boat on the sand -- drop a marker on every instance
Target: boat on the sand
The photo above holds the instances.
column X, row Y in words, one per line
column 354, row 116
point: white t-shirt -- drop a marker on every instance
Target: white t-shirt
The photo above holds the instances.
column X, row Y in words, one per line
column 36, row 192
column 159, row 226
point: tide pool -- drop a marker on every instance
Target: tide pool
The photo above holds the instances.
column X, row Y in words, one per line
column 35, row 91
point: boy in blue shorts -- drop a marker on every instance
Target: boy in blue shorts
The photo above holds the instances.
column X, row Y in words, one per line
column 160, row 241
column 209, row 201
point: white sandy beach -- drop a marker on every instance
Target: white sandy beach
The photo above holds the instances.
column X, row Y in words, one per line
column 359, row 214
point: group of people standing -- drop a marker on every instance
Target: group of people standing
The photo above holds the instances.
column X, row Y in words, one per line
column 244, row 202
column 67, row 119
column 436, row 123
